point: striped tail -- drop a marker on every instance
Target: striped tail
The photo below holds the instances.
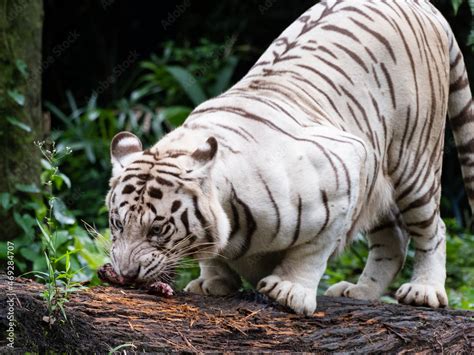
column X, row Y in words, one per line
column 461, row 117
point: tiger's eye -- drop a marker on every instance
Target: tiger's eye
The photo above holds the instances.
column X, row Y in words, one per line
column 118, row 225
column 156, row 230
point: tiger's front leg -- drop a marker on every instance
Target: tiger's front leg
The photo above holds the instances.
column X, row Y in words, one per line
column 216, row 279
column 295, row 281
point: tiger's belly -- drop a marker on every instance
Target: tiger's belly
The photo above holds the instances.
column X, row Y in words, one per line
column 254, row 268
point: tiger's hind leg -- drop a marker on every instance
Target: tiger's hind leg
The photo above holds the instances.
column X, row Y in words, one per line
column 426, row 287
column 418, row 202
column 387, row 250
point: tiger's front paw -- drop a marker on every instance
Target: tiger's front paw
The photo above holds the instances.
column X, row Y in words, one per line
column 419, row 294
column 215, row 286
column 300, row 299
column 348, row 289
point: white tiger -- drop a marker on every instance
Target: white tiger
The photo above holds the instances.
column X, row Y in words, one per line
column 337, row 129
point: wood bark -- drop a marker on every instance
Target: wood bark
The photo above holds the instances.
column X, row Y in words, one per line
column 101, row 318
column 20, row 97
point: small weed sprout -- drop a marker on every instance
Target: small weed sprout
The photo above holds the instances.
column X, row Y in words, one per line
column 59, row 282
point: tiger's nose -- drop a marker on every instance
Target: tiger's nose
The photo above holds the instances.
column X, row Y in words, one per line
column 131, row 274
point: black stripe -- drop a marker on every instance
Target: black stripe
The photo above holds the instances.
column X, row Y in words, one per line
column 162, row 181
column 167, row 164
column 298, row 223
column 235, row 220
column 175, row 206
column 143, row 162
column 463, row 117
column 185, row 221
column 128, row 189
column 378, row 36
column 197, row 212
column 353, row 55
column 155, row 193
column 204, row 223
column 250, row 224
column 176, row 175
column 128, row 177
column 151, row 207
column 232, row 130
column 275, row 207
column 324, row 197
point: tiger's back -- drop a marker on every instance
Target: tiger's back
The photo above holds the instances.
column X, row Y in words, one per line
column 338, row 128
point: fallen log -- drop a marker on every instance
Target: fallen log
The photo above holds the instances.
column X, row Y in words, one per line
column 102, row 318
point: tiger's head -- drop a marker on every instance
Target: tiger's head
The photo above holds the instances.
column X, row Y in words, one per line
column 162, row 207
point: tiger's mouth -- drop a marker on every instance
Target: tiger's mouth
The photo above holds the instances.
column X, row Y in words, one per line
column 106, row 273
column 158, row 285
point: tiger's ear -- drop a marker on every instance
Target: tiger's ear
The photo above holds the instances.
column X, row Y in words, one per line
column 203, row 158
column 124, row 148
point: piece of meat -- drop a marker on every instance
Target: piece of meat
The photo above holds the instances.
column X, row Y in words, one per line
column 160, row 288
column 107, row 274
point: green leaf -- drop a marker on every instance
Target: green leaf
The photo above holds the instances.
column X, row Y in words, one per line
column 40, row 264
column 470, row 40
column 40, row 274
column 65, row 179
column 68, row 261
column 120, row 347
column 17, row 123
column 29, row 188
column 456, row 4
column 22, row 68
column 5, row 200
column 175, row 115
column 59, row 114
column 224, row 76
column 30, row 254
column 136, row 95
column 61, row 238
column 17, row 97
column 26, row 222
column 46, row 237
column 93, row 115
column 3, row 250
column 188, row 83
column 61, row 213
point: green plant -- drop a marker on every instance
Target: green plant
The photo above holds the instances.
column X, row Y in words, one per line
column 33, row 207
column 59, row 283
column 187, row 75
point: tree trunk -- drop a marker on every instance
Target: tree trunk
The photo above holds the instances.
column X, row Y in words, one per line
column 102, row 318
column 20, row 97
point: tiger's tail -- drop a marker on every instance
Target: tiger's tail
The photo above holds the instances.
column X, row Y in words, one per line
column 461, row 117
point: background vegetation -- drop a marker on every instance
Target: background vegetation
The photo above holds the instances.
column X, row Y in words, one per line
column 143, row 68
